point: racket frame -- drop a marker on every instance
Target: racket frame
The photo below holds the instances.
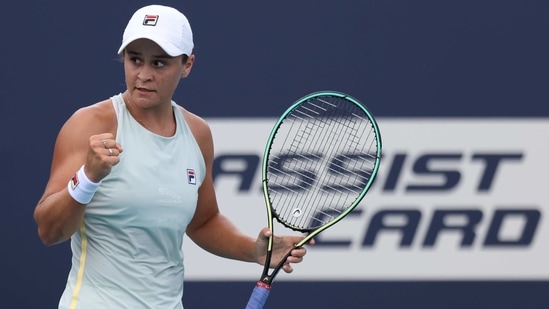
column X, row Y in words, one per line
column 267, row 278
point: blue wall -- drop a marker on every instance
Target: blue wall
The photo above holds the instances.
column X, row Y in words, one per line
column 402, row 58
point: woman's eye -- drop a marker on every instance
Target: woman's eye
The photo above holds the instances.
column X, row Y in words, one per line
column 159, row 63
column 135, row 60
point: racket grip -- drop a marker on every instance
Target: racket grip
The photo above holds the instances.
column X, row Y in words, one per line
column 259, row 296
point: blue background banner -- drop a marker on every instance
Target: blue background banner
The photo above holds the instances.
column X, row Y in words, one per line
column 482, row 59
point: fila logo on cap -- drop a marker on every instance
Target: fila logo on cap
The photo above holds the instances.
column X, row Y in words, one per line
column 150, row 20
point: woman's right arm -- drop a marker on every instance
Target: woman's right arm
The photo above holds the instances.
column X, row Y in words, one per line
column 79, row 142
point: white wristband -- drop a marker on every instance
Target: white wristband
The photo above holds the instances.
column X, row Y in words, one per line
column 81, row 188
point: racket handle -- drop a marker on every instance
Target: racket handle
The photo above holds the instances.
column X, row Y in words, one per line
column 259, row 296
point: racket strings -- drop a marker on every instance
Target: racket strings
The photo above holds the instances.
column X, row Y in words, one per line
column 308, row 141
column 320, row 133
column 339, row 177
column 313, row 201
column 333, row 142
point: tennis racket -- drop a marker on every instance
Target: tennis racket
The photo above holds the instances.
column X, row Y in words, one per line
column 321, row 158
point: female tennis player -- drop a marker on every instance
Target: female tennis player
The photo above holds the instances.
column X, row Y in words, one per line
column 132, row 174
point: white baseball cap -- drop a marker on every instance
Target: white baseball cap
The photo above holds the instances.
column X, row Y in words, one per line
column 164, row 25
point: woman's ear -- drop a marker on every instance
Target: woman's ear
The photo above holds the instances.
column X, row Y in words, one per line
column 188, row 66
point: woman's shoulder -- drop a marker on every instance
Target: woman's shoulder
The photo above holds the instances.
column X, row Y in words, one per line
column 201, row 132
column 197, row 124
column 99, row 117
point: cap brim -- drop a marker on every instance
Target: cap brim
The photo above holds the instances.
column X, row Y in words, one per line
column 167, row 47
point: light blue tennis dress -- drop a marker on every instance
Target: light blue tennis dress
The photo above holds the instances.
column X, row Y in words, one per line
column 128, row 251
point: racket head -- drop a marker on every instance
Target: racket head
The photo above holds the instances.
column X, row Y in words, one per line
column 321, row 158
